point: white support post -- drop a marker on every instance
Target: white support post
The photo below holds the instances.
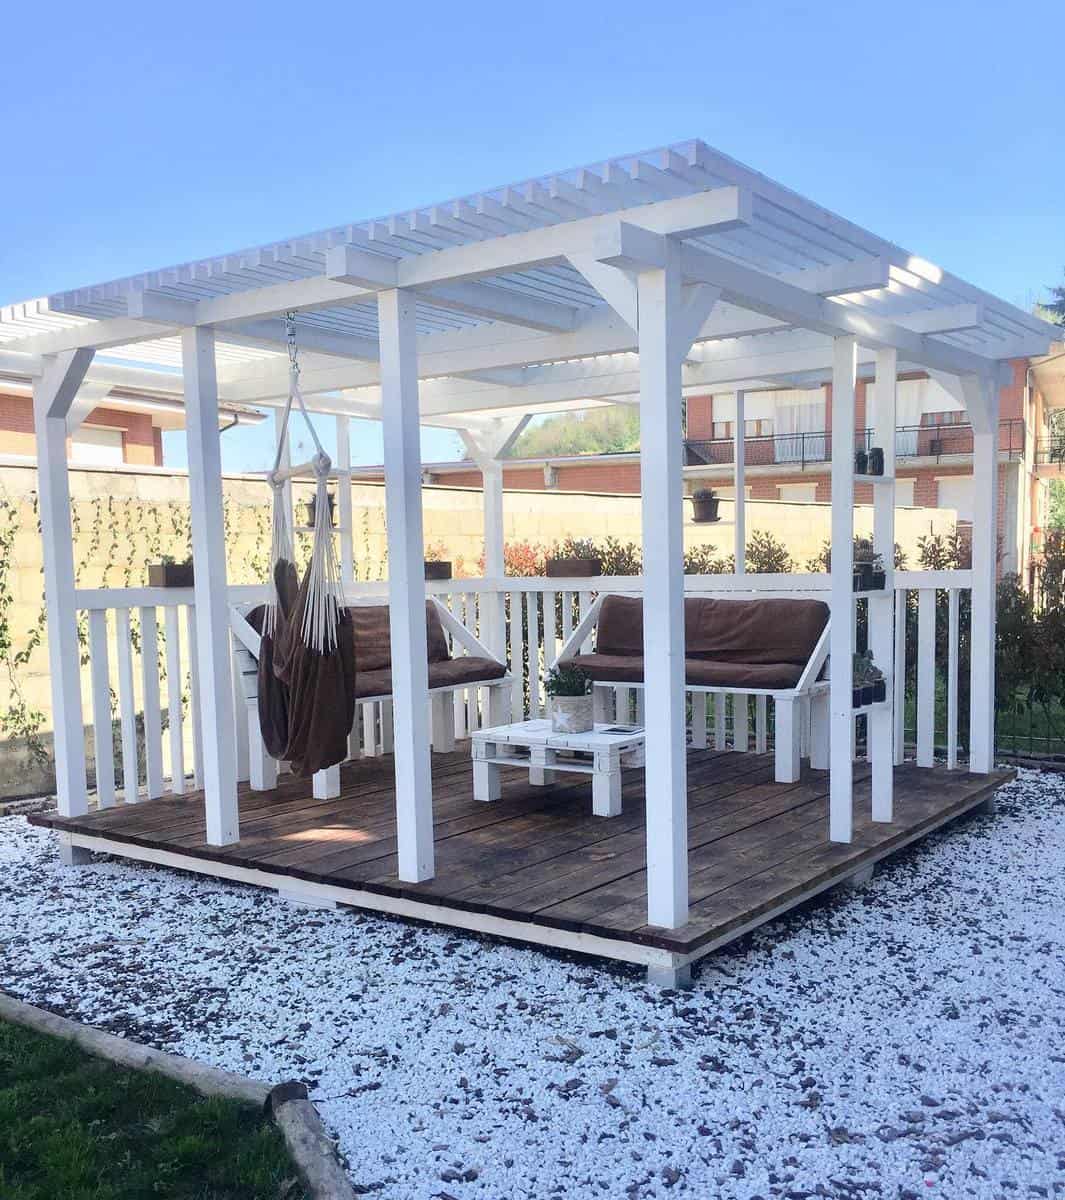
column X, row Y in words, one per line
column 841, row 643
column 347, row 532
column 983, row 411
column 53, row 395
column 663, row 598
column 739, row 479
column 882, row 608
column 493, row 611
column 215, row 683
column 486, row 446
column 406, row 584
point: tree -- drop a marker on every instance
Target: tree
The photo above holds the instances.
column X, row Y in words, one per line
column 1056, row 518
column 1054, row 309
column 609, row 430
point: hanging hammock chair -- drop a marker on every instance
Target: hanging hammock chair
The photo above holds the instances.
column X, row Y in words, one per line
column 307, row 653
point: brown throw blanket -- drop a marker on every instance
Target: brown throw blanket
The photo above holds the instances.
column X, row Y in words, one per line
column 306, row 698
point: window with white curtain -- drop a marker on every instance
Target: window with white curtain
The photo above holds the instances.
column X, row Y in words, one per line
column 956, row 491
column 805, row 493
column 904, row 492
column 91, row 444
column 914, row 399
column 797, row 414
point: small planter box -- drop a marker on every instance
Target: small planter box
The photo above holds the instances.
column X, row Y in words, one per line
column 437, row 570
column 572, row 714
column 704, row 509
column 879, row 691
column 170, row 575
column 312, row 509
column 573, row 568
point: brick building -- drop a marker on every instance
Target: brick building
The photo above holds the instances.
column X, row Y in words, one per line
column 125, row 427
column 788, row 448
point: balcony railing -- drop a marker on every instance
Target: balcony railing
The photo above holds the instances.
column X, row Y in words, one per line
column 1050, row 452
column 808, row 449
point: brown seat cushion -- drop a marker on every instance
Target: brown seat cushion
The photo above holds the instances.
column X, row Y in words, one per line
column 766, row 632
column 628, row 668
column 373, row 646
column 452, row 672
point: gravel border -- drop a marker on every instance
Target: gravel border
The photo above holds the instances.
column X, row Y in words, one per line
column 897, row 1040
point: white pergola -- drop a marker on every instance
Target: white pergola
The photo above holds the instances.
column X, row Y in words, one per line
column 639, row 280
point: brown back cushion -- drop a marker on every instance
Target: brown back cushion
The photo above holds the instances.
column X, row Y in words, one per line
column 745, row 631
column 619, row 629
column 373, row 647
column 755, row 631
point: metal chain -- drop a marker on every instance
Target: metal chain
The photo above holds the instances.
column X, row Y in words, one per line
column 290, row 337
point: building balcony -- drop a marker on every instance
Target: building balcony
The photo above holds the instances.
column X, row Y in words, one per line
column 934, row 442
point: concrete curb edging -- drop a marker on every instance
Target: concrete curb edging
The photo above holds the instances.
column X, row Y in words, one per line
column 286, row 1104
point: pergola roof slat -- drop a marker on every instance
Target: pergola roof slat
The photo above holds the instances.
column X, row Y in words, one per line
column 480, row 306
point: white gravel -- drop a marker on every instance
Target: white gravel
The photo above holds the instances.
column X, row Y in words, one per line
column 903, row 1040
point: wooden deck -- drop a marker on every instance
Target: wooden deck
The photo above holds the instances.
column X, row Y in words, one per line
column 536, row 865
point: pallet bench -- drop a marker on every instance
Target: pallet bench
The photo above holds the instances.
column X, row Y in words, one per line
column 448, row 672
column 771, row 648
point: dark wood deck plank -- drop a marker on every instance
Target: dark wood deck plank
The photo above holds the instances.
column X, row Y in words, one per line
column 538, row 855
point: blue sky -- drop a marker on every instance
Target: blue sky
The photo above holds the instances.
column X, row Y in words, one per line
column 138, row 136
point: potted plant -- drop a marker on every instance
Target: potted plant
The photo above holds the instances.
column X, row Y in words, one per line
column 574, row 559
column 863, row 568
column 862, row 687
column 570, row 689
column 704, row 505
column 869, row 685
column 312, row 508
column 878, row 576
column 168, row 573
column 861, row 462
column 876, row 460
column 436, row 566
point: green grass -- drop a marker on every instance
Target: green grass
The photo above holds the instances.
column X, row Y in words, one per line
column 79, row 1128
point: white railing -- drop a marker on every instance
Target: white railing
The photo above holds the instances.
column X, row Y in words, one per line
column 142, row 679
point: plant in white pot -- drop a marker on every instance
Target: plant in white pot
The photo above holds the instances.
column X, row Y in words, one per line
column 570, row 689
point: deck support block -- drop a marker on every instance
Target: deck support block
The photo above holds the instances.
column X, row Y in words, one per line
column 676, row 979
column 71, row 855
column 325, row 784
column 294, row 895
column 859, row 879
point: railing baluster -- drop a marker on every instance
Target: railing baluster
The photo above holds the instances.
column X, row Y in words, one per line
column 172, row 629
column 698, row 703
column 127, row 706
column 512, row 600
column 952, row 677
column 550, row 640
column 102, row 736
column 153, row 724
column 926, row 676
column 369, row 729
column 899, row 683
column 741, row 729
column 194, row 696
column 532, row 626
column 761, row 725
column 720, row 735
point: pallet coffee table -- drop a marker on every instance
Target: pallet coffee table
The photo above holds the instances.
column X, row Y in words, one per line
column 601, row 753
